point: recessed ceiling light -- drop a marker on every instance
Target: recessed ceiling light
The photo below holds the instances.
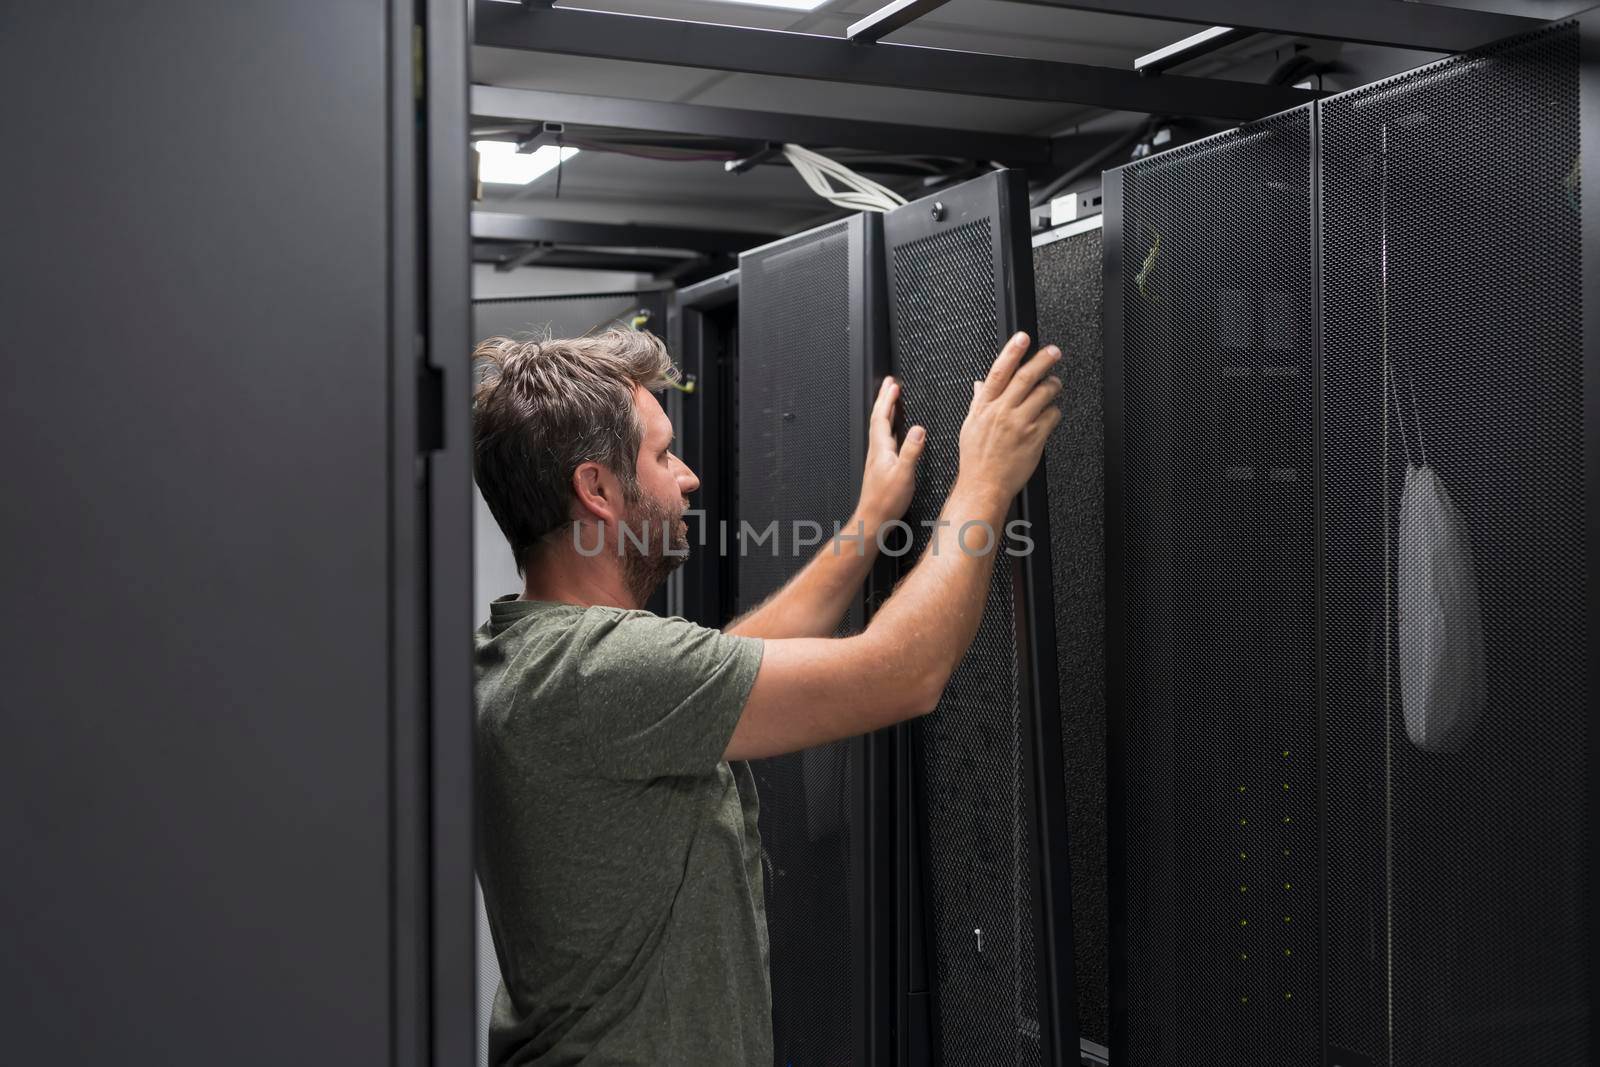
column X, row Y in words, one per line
column 501, row 163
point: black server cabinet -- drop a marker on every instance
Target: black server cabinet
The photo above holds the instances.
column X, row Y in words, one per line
column 1458, row 706
column 1350, row 457
column 1067, row 290
column 235, row 776
column 1212, row 669
column 810, row 363
column 704, row 336
column 986, row 764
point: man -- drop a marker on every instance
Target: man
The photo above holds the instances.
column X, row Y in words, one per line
column 619, row 853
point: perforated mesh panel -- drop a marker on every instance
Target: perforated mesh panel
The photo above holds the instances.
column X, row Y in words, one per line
column 1067, row 288
column 1218, row 669
column 947, row 329
column 1452, row 273
column 800, row 368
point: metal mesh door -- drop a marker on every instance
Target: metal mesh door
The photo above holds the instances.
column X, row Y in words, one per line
column 1456, row 726
column 803, row 380
column 951, row 269
column 1215, row 664
column 1067, row 292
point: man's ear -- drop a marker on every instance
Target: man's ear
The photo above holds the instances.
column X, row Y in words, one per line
column 598, row 494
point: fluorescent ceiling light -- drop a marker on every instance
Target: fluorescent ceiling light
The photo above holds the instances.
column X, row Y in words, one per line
column 501, row 163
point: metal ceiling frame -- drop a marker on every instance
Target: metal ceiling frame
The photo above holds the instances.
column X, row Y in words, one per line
column 1391, row 23
column 781, row 53
column 530, row 230
column 530, row 105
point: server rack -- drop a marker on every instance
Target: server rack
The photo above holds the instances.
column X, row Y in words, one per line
column 704, row 335
column 1445, row 845
column 811, row 361
column 995, row 875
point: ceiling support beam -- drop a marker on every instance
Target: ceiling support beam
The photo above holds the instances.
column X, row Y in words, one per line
column 1192, row 47
column 642, row 39
column 813, row 131
column 529, row 230
column 890, row 17
column 1392, row 23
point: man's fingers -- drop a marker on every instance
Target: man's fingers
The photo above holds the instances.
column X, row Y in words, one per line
column 1005, row 365
column 1032, row 372
column 1048, row 420
column 1043, row 395
column 911, row 450
column 882, row 428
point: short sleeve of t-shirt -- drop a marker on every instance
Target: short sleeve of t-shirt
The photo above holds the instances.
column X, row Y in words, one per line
column 656, row 697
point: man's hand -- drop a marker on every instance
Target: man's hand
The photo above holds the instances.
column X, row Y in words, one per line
column 891, row 471
column 1013, row 411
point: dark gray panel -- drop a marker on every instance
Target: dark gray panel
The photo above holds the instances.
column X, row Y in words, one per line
column 803, row 384
column 195, row 801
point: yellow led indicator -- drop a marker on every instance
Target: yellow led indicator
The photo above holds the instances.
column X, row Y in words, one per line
column 1244, row 1000
column 1287, row 819
column 1244, row 822
column 1286, row 918
column 1285, row 852
column 1286, row 785
column 1241, row 789
column 1288, row 952
column 1244, row 922
column 1288, row 996
column 1285, row 753
column 1243, row 856
column 1287, row 885
column 1242, row 956
column 1243, row 888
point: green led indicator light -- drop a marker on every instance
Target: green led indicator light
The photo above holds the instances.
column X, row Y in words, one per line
column 1243, row 856
column 1286, row 918
column 1241, row 789
column 1243, row 888
column 1285, row 852
column 1244, row 1000
column 1244, row 822
column 1287, row 885
column 1287, row 819
column 1244, row 922
column 1285, row 753
column 1288, row 996
column 1242, row 956
column 1286, row 785
column 1288, row 952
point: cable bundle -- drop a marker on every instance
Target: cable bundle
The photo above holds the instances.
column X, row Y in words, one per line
column 856, row 192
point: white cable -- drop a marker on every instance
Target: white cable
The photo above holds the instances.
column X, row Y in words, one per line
column 821, row 174
column 846, row 176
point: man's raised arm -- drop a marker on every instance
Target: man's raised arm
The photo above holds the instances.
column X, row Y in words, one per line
column 813, row 690
column 812, row 603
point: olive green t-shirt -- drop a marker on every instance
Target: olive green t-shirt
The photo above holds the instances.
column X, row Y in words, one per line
column 618, row 851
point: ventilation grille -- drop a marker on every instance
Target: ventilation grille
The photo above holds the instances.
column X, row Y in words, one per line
column 947, row 329
column 1218, row 670
column 797, row 379
column 1452, row 269
column 1067, row 287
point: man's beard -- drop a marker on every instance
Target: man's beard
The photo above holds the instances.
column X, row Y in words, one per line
column 644, row 569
